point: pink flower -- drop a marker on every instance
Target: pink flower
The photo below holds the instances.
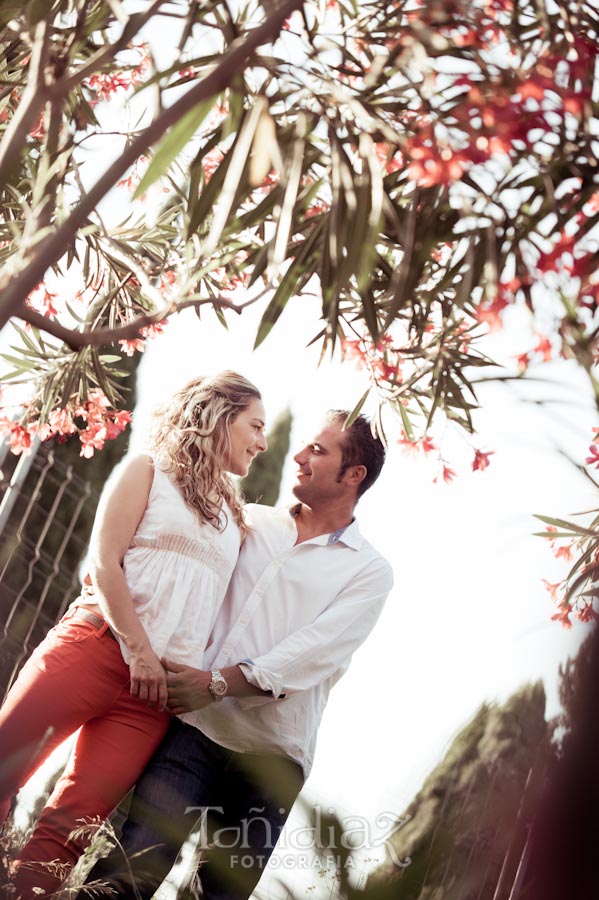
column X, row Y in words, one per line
column 92, row 438
column 152, row 331
column 98, row 398
column 42, row 300
column 563, row 616
column 409, row 447
column 544, row 347
column 481, row 460
column 118, row 423
column 61, row 421
column 593, row 459
column 430, row 165
column 385, row 370
column 211, row 162
column 107, row 84
column 353, row 349
column 586, row 613
column 20, row 440
column 132, row 346
column 425, row 444
column 552, row 588
column 316, row 209
column 448, row 474
column 130, row 181
column 167, row 280
column 564, row 552
column 489, row 313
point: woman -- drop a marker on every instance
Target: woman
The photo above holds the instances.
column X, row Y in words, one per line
column 165, row 541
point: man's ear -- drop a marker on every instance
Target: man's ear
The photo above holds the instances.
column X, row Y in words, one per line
column 355, row 475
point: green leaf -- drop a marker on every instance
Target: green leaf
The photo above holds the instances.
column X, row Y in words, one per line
column 296, row 276
column 356, row 410
column 561, row 523
column 407, row 425
column 174, row 142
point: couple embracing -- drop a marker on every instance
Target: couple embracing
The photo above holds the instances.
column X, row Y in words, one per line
column 199, row 657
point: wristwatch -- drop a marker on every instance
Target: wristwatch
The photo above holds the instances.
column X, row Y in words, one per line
column 218, row 685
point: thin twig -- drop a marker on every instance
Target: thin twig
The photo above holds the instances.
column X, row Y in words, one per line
column 76, row 340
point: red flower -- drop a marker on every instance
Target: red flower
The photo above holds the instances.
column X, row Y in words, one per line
column 481, row 460
column 92, row 438
column 447, row 474
column 587, row 613
column 152, row 331
column 130, row 181
column 552, row 261
column 353, row 349
column 429, row 165
column 385, row 371
column 117, row 423
column 42, row 300
column 563, row 616
column 552, row 588
column 489, row 314
column 593, row 459
column 132, row 346
column 61, row 421
column 564, row 552
column 315, row 209
column 424, row 444
column 427, row 445
column 105, row 85
column 19, row 439
column 523, row 359
column 544, row 347
column 211, row 162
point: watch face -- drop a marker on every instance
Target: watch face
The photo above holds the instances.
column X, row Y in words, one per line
column 218, row 687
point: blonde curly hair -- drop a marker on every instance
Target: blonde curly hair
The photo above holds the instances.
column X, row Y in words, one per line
column 189, row 437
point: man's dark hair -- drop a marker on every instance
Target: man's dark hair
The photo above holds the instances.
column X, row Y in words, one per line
column 359, row 448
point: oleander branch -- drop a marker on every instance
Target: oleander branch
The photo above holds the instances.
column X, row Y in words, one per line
column 15, row 289
column 76, row 340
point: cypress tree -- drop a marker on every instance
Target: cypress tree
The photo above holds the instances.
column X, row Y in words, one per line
column 263, row 483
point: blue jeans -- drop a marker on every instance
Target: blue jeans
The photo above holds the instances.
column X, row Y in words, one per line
column 240, row 802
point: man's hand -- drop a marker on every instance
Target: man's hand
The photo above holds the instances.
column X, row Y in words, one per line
column 148, row 679
column 187, row 688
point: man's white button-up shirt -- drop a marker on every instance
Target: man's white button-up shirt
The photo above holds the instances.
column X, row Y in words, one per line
column 293, row 616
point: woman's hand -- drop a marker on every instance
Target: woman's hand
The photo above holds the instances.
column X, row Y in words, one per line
column 148, row 679
column 187, row 688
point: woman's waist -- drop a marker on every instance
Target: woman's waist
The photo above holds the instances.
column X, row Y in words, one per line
column 173, row 549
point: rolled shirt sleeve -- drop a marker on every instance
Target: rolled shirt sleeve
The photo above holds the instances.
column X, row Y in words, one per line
column 323, row 649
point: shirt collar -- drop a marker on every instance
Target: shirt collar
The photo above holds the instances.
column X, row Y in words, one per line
column 350, row 535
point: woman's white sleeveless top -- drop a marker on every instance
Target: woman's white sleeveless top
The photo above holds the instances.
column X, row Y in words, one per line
column 177, row 571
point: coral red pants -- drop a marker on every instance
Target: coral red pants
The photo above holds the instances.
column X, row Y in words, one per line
column 76, row 678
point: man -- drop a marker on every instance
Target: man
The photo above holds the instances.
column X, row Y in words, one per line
column 306, row 592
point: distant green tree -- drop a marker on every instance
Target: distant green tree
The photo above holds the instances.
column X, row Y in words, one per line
column 263, row 483
column 459, row 830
